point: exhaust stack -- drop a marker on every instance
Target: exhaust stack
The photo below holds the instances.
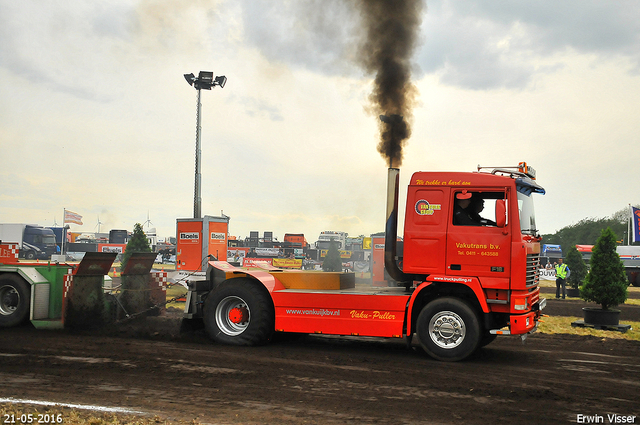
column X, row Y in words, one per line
column 391, row 227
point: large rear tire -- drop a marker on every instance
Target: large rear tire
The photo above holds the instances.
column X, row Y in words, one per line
column 448, row 329
column 15, row 296
column 239, row 312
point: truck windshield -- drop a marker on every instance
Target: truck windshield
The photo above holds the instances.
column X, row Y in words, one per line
column 43, row 239
column 527, row 214
column 325, row 244
column 527, row 187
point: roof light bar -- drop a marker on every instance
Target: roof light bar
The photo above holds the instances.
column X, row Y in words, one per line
column 521, row 168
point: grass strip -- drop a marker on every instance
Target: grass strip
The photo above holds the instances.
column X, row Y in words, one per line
column 562, row 325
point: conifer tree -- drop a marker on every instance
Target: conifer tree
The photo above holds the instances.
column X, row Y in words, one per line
column 332, row 261
column 606, row 283
column 137, row 243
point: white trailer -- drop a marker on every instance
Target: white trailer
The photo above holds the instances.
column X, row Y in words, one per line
column 630, row 257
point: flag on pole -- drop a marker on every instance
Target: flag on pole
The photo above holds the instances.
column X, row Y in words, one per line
column 71, row 217
column 635, row 224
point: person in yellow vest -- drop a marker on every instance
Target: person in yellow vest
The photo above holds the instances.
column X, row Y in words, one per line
column 562, row 272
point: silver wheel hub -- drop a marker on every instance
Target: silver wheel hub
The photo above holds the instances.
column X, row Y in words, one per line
column 232, row 315
column 447, row 329
column 9, row 300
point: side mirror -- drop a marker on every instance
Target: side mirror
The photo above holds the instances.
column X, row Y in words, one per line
column 501, row 213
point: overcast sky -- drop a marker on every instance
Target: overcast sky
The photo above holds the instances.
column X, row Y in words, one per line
column 96, row 117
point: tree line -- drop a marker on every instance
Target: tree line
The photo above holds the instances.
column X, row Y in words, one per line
column 587, row 231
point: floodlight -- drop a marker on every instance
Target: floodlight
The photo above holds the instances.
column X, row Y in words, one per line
column 190, row 78
column 205, row 76
column 221, row 81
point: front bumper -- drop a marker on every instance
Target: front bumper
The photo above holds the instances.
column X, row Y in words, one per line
column 520, row 324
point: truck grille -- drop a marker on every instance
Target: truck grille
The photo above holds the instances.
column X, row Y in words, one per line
column 533, row 270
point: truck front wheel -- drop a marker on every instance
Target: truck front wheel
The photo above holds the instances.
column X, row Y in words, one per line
column 239, row 312
column 14, row 300
column 448, row 329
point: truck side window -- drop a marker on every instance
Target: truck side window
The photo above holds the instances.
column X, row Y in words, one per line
column 475, row 208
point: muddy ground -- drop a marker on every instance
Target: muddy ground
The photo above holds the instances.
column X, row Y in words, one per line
column 149, row 366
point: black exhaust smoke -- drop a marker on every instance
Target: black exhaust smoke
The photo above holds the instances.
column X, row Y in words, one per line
column 391, row 32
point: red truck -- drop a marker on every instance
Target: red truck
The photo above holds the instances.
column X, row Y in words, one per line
column 463, row 278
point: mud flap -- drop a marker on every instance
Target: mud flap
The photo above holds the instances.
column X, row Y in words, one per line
column 135, row 296
column 84, row 305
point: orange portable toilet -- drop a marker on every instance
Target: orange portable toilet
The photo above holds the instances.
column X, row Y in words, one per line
column 198, row 238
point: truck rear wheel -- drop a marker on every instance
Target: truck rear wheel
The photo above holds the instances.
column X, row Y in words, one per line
column 239, row 312
column 14, row 300
column 448, row 329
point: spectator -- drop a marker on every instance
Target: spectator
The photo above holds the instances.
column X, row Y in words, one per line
column 561, row 274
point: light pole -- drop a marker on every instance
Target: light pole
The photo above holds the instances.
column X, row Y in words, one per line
column 205, row 81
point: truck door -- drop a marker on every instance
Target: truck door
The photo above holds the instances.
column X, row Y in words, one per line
column 425, row 233
column 476, row 247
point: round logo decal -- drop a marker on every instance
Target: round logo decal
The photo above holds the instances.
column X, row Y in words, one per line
column 425, row 208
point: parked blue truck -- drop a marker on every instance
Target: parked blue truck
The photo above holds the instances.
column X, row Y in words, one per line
column 35, row 242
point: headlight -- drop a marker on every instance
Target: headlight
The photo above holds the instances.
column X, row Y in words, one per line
column 520, row 304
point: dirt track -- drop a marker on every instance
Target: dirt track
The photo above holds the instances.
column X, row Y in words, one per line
column 148, row 366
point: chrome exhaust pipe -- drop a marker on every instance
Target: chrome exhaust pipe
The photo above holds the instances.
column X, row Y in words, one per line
column 391, row 227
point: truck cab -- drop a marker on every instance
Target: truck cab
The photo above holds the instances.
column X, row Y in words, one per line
column 474, row 236
column 325, row 238
column 39, row 242
column 437, row 241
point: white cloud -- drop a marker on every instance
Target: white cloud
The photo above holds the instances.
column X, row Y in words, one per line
column 498, row 44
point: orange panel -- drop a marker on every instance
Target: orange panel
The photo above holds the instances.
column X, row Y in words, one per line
column 340, row 313
column 218, row 240
column 189, row 245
